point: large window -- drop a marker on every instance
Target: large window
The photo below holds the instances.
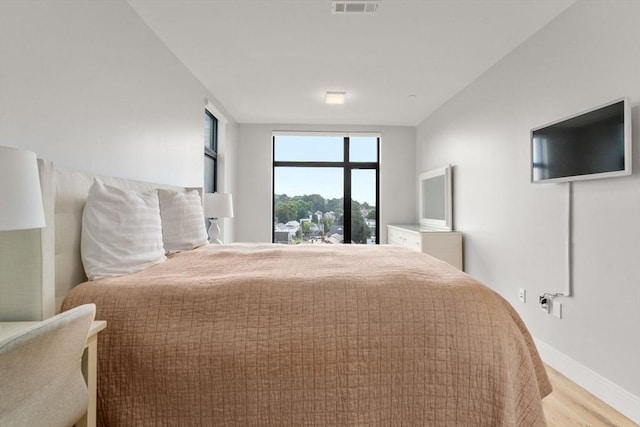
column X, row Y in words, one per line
column 210, row 152
column 325, row 188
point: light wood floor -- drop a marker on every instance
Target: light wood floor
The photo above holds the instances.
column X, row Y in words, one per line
column 571, row 405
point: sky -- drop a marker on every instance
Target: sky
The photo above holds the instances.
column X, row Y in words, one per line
column 326, row 181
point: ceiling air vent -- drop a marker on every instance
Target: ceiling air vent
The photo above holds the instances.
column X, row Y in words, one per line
column 341, row 7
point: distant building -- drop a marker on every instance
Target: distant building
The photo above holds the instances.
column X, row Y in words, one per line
column 290, row 228
column 371, row 223
column 282, row 237
column 336, row 229
column 293, row 225
column 335, row 239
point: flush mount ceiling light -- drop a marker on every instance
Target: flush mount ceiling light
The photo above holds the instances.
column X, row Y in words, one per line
column 335, row 98
column 342, row 7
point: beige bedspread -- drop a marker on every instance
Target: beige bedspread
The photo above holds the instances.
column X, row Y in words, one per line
column 265, row 335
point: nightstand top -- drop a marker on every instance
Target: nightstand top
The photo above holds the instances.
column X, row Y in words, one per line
column 9, row 329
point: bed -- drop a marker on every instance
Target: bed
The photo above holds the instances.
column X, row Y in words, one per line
column 272, row 335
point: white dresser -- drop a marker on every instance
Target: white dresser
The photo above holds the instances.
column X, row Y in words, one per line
column 444, row 245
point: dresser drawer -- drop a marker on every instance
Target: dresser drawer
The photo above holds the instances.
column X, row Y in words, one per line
column 395, row 237
column 404, row 238
column 412, row 241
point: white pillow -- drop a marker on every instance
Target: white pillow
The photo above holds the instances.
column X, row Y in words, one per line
column 183, row 226
column 121, row 231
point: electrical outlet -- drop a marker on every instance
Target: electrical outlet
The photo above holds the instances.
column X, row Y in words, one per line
column 545, row 303
column 556, row 309
column 522, row 294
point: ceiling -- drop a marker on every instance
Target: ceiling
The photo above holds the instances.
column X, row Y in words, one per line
column 272, row 61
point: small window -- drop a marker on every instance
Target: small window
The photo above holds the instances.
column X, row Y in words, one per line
column 210, row 152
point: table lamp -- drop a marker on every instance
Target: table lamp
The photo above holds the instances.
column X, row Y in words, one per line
column 21, row 204
column 20, row 195
column 217, row 205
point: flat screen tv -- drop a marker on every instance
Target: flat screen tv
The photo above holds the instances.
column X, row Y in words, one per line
column 590, row 145
column 434, row 198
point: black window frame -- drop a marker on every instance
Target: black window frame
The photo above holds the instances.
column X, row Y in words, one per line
column 211, row 148
column 348, row 166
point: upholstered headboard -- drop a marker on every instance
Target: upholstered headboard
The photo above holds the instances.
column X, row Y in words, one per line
column 71, row 190
column 40, row 266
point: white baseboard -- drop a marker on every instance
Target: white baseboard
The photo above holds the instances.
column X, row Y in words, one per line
column 615, row 396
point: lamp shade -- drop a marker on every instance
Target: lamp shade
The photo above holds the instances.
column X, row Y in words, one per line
column 20, row 195
column 218, row 205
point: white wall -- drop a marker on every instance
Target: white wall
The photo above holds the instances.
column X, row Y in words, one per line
column 253, row 213
column 515, row 231
column 89, row 86
column 227, row 176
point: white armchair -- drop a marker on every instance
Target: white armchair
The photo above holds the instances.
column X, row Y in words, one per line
column 41, row 382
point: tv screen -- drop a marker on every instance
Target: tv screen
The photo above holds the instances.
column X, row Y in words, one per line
column 590, row 145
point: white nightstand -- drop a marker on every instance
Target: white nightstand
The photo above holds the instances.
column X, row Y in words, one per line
column 89, row 361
